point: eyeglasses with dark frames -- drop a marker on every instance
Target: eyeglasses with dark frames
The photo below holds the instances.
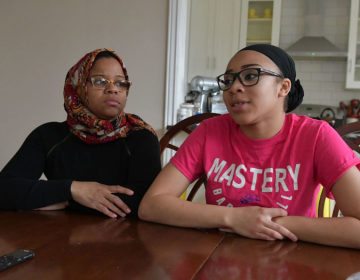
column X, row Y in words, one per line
column 102, row 83
column 247, row 77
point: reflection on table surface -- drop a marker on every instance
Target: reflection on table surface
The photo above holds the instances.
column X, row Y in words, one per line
column 70, row 245
column 242, row 258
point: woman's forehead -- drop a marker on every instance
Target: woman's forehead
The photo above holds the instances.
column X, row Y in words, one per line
column 105, row 63
column 249, row 57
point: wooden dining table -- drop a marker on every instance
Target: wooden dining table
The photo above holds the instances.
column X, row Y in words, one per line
column 70, row 245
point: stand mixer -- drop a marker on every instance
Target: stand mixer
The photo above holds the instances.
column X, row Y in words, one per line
column 203, row 89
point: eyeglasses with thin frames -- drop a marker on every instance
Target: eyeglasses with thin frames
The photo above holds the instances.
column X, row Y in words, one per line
column 102, row 83
column 247, row 77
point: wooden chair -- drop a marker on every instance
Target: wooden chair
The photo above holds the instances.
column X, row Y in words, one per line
column 354, row 145
column 186, row 125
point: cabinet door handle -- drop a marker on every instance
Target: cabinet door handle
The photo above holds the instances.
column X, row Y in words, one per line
column 214, row 63
column 350, row 62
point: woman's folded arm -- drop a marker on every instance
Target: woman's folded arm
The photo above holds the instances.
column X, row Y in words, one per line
column 20, row 187
column 162, row 204
column 341, row 231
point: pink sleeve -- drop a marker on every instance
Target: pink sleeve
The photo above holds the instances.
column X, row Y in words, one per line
column 332, row 157
column 189, row 158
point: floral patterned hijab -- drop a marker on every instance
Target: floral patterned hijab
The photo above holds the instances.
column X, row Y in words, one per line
column 85, row 124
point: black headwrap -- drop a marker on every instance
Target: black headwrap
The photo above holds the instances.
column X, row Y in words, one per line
column 287, row 66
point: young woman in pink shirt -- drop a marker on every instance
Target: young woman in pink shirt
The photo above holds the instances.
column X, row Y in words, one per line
column 264, row 166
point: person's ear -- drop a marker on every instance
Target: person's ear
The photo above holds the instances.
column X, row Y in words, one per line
column 285, row 87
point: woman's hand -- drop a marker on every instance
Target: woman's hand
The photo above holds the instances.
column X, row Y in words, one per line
column 256, row 222
column 99, row 197
column 57, row 206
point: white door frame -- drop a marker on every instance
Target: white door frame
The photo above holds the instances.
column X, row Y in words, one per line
column 176, row 85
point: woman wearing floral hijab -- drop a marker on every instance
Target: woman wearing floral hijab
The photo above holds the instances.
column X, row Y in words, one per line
column 100, row 158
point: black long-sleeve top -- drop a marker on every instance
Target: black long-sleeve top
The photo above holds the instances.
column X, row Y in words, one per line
column 131, row 162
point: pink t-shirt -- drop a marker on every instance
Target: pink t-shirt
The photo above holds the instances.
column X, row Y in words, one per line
column 284, row 171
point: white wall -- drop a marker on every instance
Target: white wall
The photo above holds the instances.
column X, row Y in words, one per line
column 41, row 40
column 323, row 81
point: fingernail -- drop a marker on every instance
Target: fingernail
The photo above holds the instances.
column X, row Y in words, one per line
column 128, row 210
column 114, row 216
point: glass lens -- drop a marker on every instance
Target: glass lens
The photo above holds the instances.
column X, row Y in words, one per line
column 122, row 85
column 249, row 77
column 225, row 81
column 99, row 82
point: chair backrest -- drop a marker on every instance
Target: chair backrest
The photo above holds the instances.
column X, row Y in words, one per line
column 353, row 142
column 187, row 125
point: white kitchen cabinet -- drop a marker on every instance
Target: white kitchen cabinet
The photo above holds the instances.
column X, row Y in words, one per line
column 353, row 62
column 213, row 36
column 219, row 28
column 260, row 22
